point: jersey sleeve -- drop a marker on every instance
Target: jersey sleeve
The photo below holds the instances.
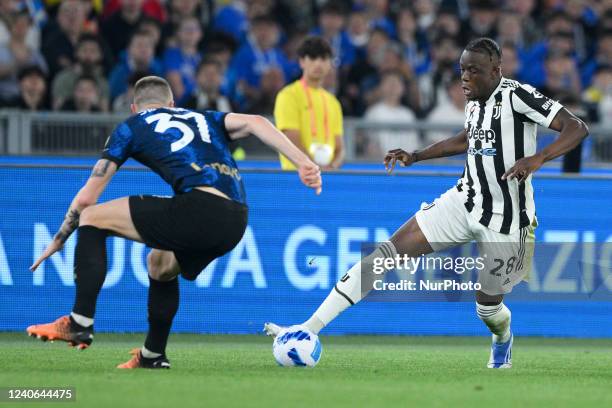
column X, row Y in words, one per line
column 218, row 121
column 286, row 111
column 537, row 107
column 118, row 147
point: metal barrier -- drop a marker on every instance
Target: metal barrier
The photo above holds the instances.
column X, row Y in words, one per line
column 64, row 133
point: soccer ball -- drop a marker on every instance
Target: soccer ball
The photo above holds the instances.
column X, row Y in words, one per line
column 296, row 346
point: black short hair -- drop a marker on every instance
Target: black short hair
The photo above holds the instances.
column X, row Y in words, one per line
column 88, row 37
column 149, row 20
column 558, row 14
column 31, row 70
column 484, row 5
column 87, row 77
column 485, row 46
column 333, row 8
column 209, row 61
column 314, row 47
column 138, row 33
column 263, row 19
column 605, row 33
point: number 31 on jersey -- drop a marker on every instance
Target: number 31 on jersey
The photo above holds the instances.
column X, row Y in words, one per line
column 166, row 121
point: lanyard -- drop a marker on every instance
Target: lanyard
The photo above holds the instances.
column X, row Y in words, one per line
column 313, row 120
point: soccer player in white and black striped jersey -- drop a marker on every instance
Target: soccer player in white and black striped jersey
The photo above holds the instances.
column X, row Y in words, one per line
column 491, row 204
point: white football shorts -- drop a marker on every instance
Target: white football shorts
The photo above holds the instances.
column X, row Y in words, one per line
column 507, row 257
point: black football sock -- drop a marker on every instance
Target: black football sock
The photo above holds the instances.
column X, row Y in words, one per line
column 89, row 269
column 163, row 304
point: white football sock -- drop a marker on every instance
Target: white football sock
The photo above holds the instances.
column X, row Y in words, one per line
column 82, row 320
column 146, row 353
column 349, row 289
column 497, row 318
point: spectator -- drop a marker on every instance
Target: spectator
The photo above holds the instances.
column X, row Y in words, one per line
column 529, row 28
column 377, row 12
column 414, row 43
column 139, row 58
column 15, row 55
column 332, row 21
column 390, row 110
column 88, row 62
column 598, row 96
column 510, row 61
column 447, row 23
column 178, row 11
column 181, row 62
column 119, row 27
column 60, row 39
column 559, row 39
column 445, row 56
column 509, row 29
column 8, row 9
column 259, row 54
column 391, row 61
column 316, row 130
column 603, row 56
column 153, row 29
column 151, row 8
column 272, row 81
column 425, row 12
column 358, row 31
column 449, row 110
column 33, row 90
column 366, row 67
column 123, row 102
column 207, row 95
column 85, row 96
column 222, row 52
column 561, row 76
column 482, row 21
column 231, row 19
column 584, row 23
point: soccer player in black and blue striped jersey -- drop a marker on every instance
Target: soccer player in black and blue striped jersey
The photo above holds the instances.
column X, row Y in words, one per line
column 205, row 218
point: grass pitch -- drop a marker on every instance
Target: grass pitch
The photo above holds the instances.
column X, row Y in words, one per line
column 213, row 371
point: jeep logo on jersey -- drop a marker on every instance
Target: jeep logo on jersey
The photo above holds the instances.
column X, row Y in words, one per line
column 485, row 135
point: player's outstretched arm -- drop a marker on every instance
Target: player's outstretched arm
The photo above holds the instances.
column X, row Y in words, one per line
column 572, row 131
column 88, row 195
column 240, row 125
column 449, row 147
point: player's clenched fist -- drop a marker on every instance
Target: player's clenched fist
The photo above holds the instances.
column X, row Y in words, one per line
column 393, row 156
column 310, row 174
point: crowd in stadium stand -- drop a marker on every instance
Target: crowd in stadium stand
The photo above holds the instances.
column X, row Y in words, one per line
column 390, row 56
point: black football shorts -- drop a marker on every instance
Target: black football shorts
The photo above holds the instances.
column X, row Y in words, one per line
column 197, row 226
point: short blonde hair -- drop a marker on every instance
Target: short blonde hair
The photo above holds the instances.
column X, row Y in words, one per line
column 152, row 90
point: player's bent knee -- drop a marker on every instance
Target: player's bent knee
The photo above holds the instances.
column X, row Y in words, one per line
column 488, row 300
column 88, row 217
column 161, row 269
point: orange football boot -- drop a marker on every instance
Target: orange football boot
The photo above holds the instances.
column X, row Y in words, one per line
column 138, row 361
column 62, row 330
